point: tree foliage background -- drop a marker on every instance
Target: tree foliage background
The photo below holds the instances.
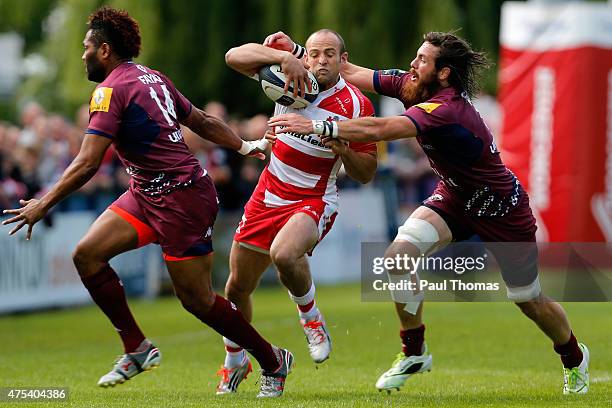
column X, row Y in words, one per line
column 187, row 39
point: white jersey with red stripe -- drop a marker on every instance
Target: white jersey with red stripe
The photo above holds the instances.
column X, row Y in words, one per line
column 301, row 167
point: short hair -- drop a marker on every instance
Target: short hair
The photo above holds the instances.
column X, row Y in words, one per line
column 457, row 54
column 329, row 31
column 116, row 28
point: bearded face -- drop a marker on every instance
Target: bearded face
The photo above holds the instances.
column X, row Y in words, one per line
column 93, row 65
column 95, row 69
column 418, row 89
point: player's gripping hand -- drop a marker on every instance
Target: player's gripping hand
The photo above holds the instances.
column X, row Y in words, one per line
column 31, row 212
column 254, row 148
column 295, row 71
column 292, row 122
column 279, row 41
column 339, row 147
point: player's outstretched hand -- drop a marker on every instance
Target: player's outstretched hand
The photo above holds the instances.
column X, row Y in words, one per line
column 295, row 71
column 255, row 148
column 31, row 212
column 279, row 41
column 292, row 122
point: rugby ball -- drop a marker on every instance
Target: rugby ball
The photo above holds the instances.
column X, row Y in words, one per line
column 272, row 80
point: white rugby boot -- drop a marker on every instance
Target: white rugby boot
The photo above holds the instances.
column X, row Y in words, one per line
column 131, row 364
column 576, row 380
column 317, row 336
column 402, row 368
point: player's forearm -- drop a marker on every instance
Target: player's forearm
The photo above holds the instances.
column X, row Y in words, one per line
column 218, row 132
column 372, row 129
column 75, row 176
column 249, row 58
column 359, row 166
column 360, row 130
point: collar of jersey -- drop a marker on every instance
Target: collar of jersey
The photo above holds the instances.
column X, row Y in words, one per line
column 339, row 86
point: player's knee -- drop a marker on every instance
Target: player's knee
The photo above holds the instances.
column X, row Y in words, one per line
column 420, row 234
column 196, row 302
column 83, row 259
column 283, row 259
column 235, row 290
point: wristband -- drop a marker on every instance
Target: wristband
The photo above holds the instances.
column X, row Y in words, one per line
column 245, row 148
column 325, row 128
column 298, row 51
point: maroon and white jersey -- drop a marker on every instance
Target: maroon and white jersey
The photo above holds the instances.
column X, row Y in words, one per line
column 140, row 110
column 459, row 146
column 301, row 167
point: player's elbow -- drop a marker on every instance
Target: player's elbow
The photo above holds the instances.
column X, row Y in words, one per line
column 230, row 57
column 238, row 57
column 364, row 179
column 88, row 166
column 368, row 175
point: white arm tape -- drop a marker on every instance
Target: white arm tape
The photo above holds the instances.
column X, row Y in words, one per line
column 245, row 148
column 325, row 128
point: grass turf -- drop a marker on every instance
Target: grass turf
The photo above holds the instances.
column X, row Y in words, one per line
column 485, row 354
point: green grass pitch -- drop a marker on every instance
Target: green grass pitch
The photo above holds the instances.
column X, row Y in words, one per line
column 485, row 354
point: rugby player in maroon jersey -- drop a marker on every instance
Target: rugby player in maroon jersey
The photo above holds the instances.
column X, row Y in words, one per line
column 477, row 194
column 171, row 200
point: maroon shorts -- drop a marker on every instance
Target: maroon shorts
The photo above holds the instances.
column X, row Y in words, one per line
column 517, row 261
column 519, row 225
column 181, row 222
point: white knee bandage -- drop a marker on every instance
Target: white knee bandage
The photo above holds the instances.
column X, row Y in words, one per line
column 520, row 294
column 419, row 233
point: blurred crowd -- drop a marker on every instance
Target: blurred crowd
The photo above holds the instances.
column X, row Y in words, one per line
column 34, row 154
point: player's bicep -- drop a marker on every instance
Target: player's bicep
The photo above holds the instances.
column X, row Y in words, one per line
column 362, row 78
column 93, row 148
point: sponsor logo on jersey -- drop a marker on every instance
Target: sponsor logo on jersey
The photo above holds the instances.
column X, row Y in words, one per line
column 428, row 106
column 176, row 137
column 436, row 197
column 100, row 99
column 311, row 139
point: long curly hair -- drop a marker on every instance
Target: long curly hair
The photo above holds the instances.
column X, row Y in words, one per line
column 117, row 29
column 465, row 64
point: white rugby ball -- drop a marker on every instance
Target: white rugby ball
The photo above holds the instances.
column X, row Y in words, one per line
column 272, row 80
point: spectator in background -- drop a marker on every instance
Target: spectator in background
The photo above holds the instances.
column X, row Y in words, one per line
column 29, row 115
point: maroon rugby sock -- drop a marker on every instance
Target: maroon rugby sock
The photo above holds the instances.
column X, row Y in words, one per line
column 106, row 290
column 571, row 355
column 227, row 320
column 412, row 341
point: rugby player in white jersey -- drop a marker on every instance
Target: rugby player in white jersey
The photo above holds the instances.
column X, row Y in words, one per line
column 296, row 200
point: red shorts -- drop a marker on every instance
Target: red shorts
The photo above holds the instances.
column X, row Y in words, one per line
column 181, row 222
column 260, row 223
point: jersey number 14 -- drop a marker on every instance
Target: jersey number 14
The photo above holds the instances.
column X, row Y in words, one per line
column 168, row 110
